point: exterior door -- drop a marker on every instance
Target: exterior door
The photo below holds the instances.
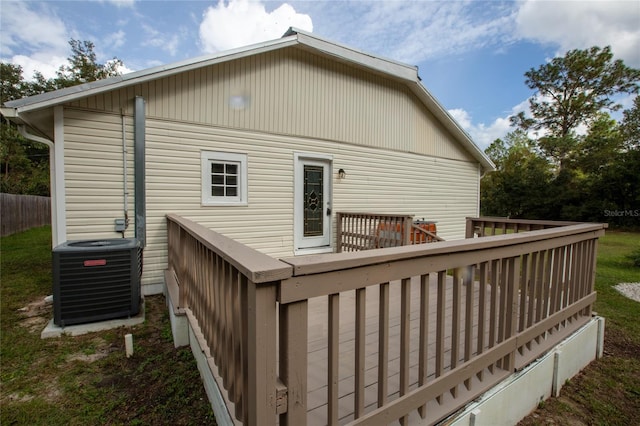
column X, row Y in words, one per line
column 312, row 210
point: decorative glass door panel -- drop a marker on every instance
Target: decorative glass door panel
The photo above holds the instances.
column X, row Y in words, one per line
column 313, row 201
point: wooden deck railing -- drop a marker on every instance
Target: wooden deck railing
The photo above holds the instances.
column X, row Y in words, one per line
column 375, row 336
column 366, row 231
column 487, row 226
column 229, row 293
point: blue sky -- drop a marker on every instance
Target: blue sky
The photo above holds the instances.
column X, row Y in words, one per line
column 472, row 55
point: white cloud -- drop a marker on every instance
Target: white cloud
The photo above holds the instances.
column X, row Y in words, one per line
column 167, row 42
column 582, row 24
column 41, row 37
column 122, row 69
column 121, row 3
column 115, row 40
column 482, row 134
column 416, row 31
column 241, row 22
column 47, row 65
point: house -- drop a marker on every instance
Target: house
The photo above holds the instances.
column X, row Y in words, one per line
column 244, row 141
column 240, row 174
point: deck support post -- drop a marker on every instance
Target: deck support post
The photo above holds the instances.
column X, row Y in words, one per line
column 260, row 342
column 293, row 361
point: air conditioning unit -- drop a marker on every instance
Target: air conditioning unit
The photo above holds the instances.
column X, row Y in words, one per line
column 96, row 280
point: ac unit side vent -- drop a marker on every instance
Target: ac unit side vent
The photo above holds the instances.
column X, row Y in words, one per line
column 95, row 280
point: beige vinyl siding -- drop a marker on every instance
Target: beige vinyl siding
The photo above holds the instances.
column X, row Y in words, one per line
column 377, row 181
column 294, row 92
column 94, row 174
column 398, row 157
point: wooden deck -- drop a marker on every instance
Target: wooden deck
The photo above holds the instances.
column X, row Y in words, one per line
column 317, row 377
column 406, row 333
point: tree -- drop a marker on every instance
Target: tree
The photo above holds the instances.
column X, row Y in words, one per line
column 599, row 148
column 630, row 126
column 571, row 91
column 12, row 85
column 24, row 165
column 83, row 66
column 520, row 185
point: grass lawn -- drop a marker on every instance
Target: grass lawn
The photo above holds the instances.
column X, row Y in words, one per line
column 85, row 380
column 607, row 392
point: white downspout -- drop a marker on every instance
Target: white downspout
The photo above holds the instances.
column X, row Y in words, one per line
column 58, row 225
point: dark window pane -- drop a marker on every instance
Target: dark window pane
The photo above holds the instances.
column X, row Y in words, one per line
column 232, row 191
column 217, row 191
column 313, row 202
column 232, row 169
column 232, row 180
column 217, row 179
column 217, row 168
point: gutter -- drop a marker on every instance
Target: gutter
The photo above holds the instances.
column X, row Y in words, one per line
column 22, row 129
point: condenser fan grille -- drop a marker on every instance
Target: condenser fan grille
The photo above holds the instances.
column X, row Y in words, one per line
column 93, row 282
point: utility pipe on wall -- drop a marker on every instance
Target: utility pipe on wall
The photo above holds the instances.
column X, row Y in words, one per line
column 124, row 167
column 139, row 183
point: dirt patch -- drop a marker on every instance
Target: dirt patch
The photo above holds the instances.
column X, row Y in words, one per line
column 35, row 315
column 50, row 392
column 14, row 397
column 98, row 349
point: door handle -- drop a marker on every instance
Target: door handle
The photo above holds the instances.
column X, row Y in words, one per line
column 328, row 211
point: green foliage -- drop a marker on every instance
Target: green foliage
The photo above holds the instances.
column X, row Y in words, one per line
column 571, row 91
column 519, row 188
column 24, row 165
column 12, row 85
column 630, row 127
column 563, row 175
column 83, row 66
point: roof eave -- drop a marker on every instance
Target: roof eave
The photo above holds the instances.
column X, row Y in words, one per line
column 398, row 70
column 345, row 53
column 69, row 94
column 452, row 125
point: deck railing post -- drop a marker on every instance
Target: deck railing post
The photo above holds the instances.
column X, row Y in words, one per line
column 407, row 228
column 293, row 361
column 339, row 232
column 261, row 376
column 470, row 228
column 180, row 268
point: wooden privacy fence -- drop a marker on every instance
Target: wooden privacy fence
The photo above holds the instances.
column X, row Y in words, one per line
column 22, row 212
column 366, row 231
column 376, row 336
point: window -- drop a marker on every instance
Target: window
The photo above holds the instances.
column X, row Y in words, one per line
column 224, row 178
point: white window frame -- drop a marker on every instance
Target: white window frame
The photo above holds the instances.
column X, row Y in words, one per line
column 208, row 157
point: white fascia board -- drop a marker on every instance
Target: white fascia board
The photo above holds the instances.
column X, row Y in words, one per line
column 452, row 125
column 383, row 65
column 12, row 115
column 89, row 89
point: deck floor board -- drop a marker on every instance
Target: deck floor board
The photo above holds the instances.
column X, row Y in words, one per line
column 318, row 342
